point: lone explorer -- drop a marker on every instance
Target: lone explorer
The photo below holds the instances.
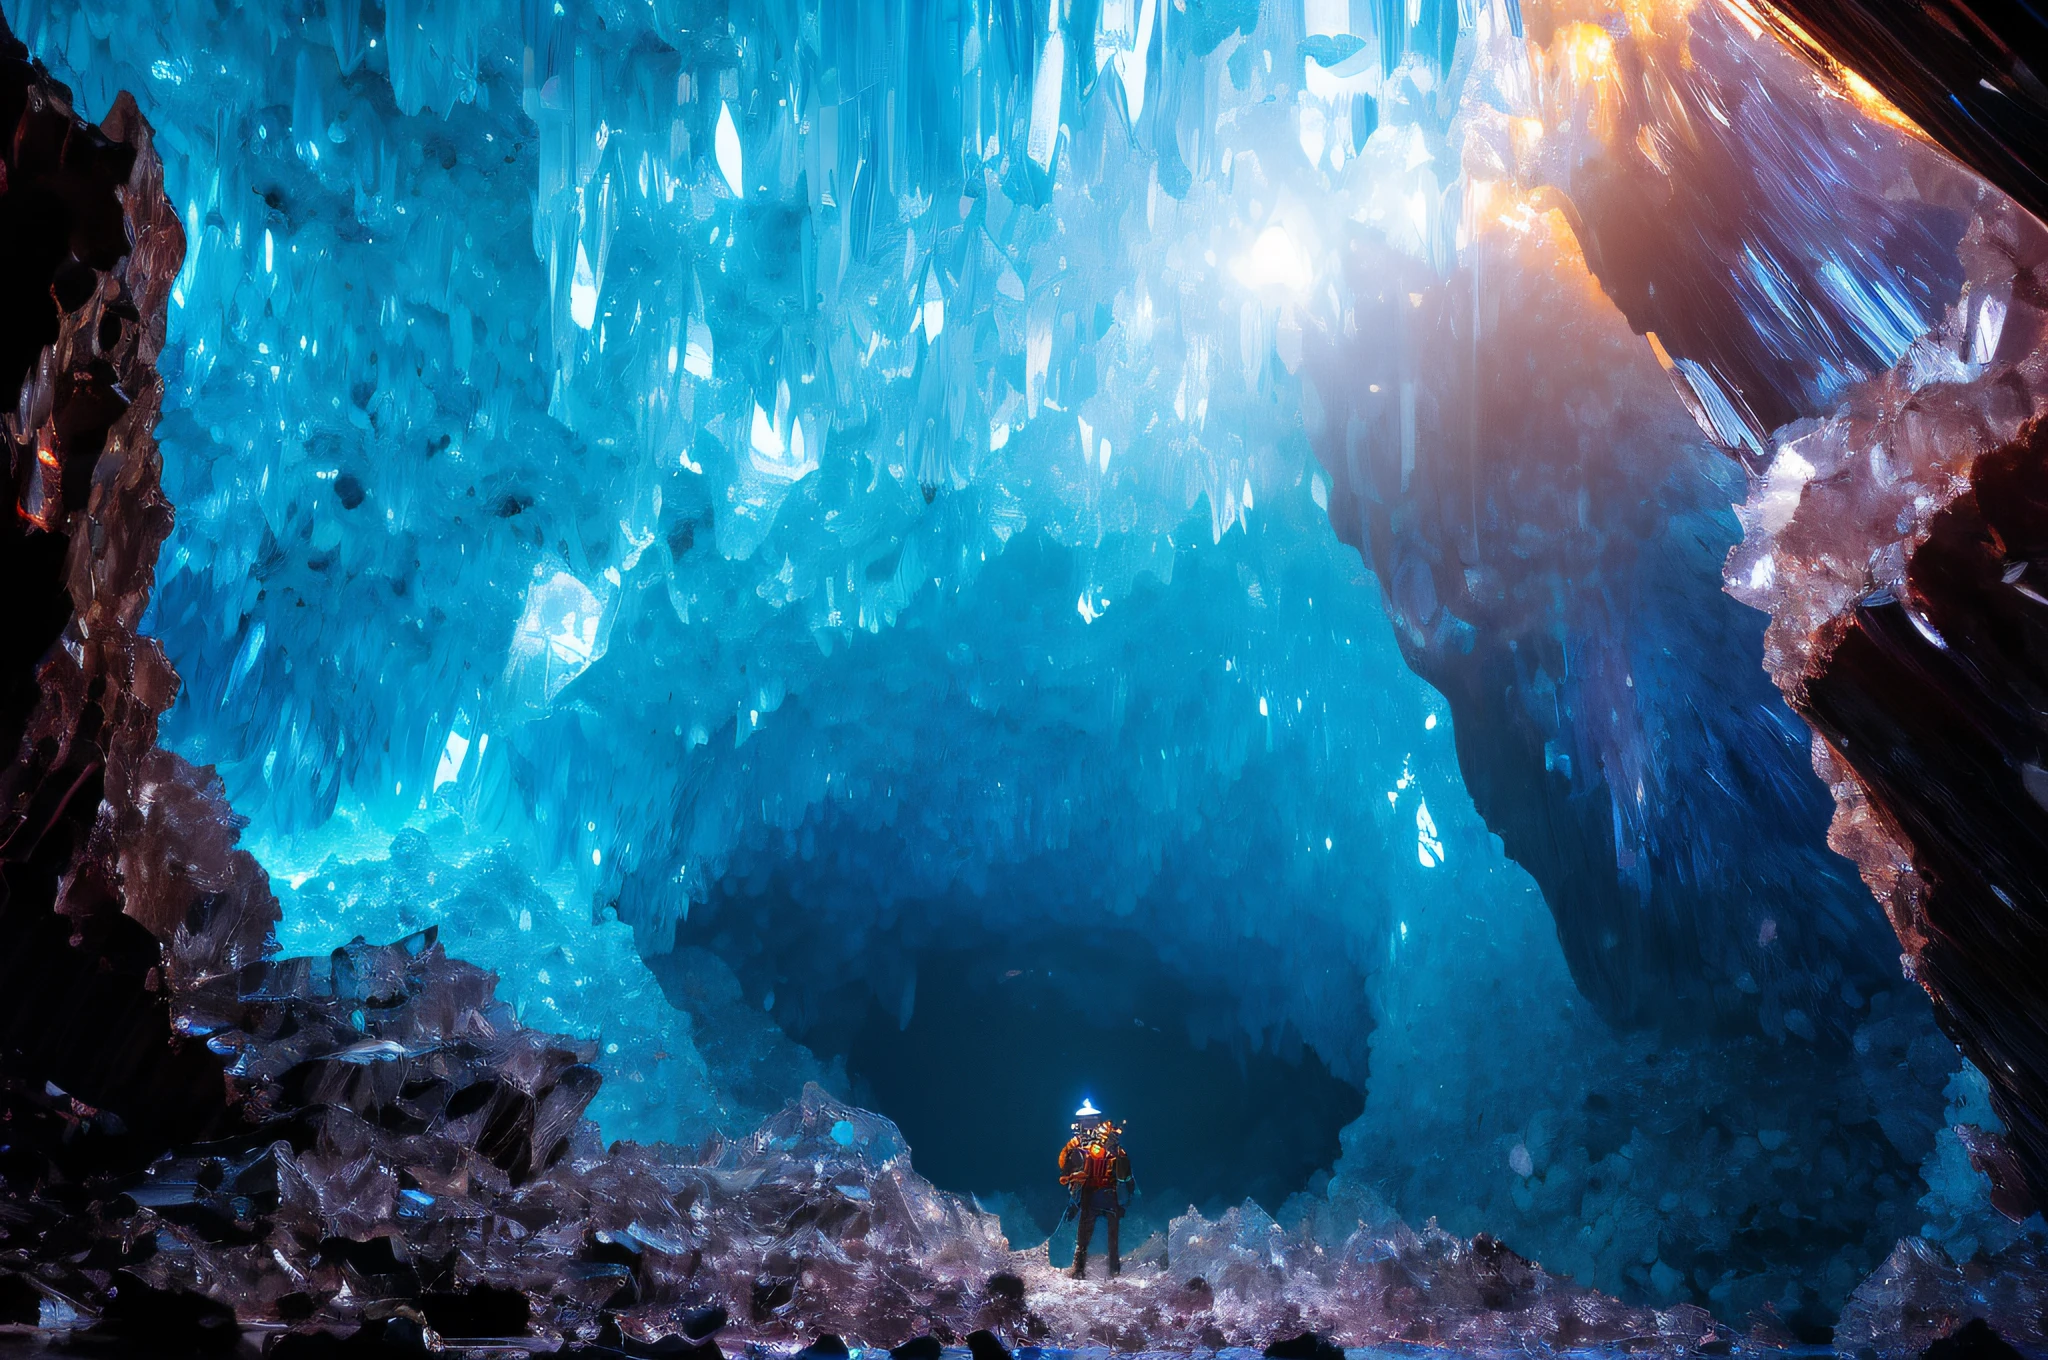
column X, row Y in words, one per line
column 1097, row 1171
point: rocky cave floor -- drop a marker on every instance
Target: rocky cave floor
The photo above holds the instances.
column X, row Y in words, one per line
column 417, row 1174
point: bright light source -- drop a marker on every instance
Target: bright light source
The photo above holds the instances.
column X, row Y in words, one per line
column 1275, row 261
column 583, row 291
column 763, row 437
column 725, row 143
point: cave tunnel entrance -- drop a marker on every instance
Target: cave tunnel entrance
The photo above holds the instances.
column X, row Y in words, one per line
column 980, row 1046
column 996, row 1056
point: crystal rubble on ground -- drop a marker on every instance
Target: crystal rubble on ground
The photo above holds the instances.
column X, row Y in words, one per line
column 415, row 1137
column 1245, row 1278
column 1921, row 1295
column 417, row 1145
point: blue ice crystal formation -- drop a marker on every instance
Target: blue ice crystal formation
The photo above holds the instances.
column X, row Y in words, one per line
column 649, row 468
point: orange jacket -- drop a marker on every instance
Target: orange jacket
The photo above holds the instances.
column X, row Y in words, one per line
column 1093, row 1165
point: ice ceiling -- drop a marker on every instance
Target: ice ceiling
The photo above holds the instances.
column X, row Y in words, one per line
column 761, row 519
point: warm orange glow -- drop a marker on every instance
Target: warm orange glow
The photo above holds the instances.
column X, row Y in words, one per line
column 1655, row 18
column 1851, row 84
column 1588, row 52
column 1577, row 80
column 1875, row 105
column 1657, row 348
column 1568, row 258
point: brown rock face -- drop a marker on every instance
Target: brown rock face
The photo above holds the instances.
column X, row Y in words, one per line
column 1966, row 71
column 119, row 880
column 1929, row 699
column 1900, row 545
column 1935, row 700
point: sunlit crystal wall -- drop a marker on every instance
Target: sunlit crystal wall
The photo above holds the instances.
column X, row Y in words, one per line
column 596, row 426
column 648, row 456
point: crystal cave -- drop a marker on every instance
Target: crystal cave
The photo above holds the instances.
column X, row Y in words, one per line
column 644, row 636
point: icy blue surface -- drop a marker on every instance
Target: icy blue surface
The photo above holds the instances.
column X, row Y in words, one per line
column 648, row 438
column 643, row 455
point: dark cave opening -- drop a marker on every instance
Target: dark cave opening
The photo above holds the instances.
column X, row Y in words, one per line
column 980, row 1043
column 999, row 1051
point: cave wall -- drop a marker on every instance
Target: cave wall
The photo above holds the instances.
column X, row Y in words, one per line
column 1967, row 75
column 1905, row 716
column 1932, row 702
column 119, row 880
column 1863, row 450
column 1546, row 523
